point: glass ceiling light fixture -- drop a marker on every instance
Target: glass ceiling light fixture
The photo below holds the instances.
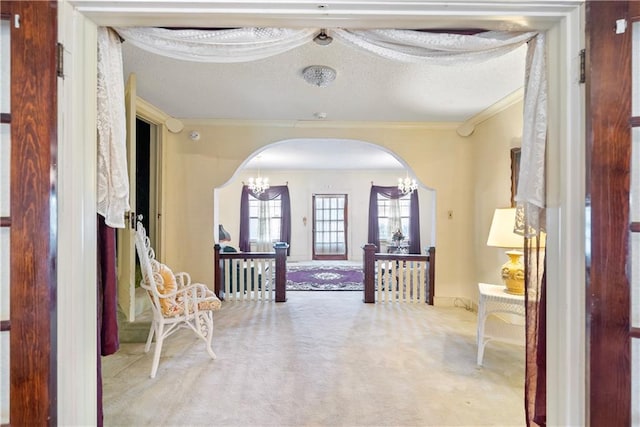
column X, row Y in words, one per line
column 259, row 184
column 319, row 75
column 407, row 185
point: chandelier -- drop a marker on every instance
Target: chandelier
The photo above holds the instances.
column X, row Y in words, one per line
column 319, row 75
column 407, row 185
column 258, row 185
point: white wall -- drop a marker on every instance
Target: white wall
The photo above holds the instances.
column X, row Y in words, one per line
column 492, row 143
column 303, row 184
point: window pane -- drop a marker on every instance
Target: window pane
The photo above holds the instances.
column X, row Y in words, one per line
column 4, row 377
column 634, row 260
column 634, row 193
column 4, row 273
column 5, row 66
column 635, row 382
column 635, row 69
column 5, row 169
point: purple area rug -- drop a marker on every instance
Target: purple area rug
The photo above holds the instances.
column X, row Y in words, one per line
column 324, row 278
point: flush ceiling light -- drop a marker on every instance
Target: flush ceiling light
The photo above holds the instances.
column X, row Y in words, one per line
column 322, row 38
column 319, row 75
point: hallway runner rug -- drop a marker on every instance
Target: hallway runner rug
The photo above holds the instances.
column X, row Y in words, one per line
column 324, row 278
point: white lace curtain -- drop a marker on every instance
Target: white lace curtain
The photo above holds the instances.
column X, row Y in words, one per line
column 264, row 240
column 395, row 218
column 112, row 177
column 247, row 44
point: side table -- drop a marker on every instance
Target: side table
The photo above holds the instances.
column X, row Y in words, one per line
column 495, row 299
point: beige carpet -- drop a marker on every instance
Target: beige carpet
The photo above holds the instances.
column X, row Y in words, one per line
column 321, row 359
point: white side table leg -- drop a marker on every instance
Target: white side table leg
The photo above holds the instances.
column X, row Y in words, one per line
column 482, row 317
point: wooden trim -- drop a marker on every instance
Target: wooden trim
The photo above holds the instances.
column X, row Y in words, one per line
column 281, row 272
column 634, row 332
column 5, row 221
column 608, row 138
column 516, row 154
column 5, row 325
column 34, row 117
column 5, row 118
column 432, row 274
column 634, row 227
column 634, row 121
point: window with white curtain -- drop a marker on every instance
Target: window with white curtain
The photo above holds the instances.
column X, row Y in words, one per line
column 393, row 214
column 265, row 217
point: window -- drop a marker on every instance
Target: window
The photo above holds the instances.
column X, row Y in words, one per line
column 390, row 210
column 393, row 214
column 265, row 217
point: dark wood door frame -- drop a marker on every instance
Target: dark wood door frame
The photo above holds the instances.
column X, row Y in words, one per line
column 34, row 116
column 608, row 139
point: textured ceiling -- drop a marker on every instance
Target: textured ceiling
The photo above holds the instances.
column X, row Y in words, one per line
column 367, row 88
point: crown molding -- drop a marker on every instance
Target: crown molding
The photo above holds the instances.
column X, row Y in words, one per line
column 322, row 124
column 469, row 125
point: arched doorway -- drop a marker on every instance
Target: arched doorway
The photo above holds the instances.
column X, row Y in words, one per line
column 331, row 167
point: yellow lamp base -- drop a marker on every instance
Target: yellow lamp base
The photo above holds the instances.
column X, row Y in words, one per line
column 513, row 273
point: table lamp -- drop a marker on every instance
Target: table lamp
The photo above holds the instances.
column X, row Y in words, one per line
column 501, row 235
column 223, row 235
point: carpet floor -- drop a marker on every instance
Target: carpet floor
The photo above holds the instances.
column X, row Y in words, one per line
column 321, row 359
column 325, row 277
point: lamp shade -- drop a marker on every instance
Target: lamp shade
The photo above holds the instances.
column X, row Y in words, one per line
column 223, row 235
column 501, row 234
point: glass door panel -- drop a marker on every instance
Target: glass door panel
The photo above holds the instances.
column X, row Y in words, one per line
column 5, row 64
column 4, row 378
column 5, row 169
column 329, row 226
column 635, row 382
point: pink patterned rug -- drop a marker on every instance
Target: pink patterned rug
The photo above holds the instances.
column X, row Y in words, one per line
column 324, row 278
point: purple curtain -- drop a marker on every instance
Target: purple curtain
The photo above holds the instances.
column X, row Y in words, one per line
column 414, row 216
column 269, row 194
column 535, row 386
column 108, row 342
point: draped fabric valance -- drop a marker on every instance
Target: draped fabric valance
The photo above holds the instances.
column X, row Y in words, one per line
column 234, row 45
column 269, row 194
column 414, row 216
column 433, row 48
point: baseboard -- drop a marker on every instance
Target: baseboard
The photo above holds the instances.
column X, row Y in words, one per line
column 137, row 331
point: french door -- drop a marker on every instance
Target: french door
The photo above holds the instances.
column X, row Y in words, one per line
column 329, row 226
column 28, row 223
column 613, row 202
